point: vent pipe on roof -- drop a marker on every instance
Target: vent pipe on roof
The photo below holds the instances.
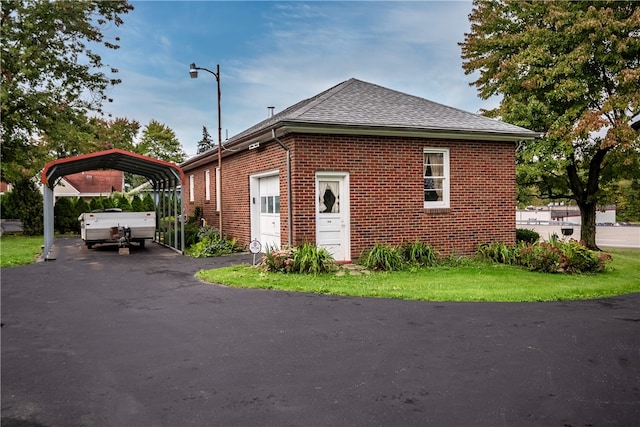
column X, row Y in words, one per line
column 270, row 114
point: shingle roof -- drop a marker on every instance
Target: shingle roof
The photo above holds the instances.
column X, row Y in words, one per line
column 97, row 181
column 358, row 103
column 359, row 107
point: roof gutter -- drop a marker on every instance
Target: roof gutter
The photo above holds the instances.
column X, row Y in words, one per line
column 323, row 128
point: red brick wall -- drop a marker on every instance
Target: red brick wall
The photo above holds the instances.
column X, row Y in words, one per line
column 236, row 170
column 386, row 190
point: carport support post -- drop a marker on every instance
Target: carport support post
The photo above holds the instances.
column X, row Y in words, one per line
column 182, row 218
column 48, row 219
column 175, row 214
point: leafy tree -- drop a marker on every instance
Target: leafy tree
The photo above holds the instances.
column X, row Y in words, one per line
column 569, row 70
column 160, row 142
column 25, row 203
column 117, row 133
column 6, row 210
column 206, row 143
column 627, row 200
column 64, row 215
column 50, row 75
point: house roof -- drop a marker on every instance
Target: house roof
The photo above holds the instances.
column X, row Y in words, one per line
column 358, row 103
column 355, row 106
column 96, row 181
column 154, row 169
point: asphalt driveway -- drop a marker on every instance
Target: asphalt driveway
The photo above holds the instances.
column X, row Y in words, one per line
column 101, row 339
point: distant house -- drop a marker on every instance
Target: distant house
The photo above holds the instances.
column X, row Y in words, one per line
column 360, row 164
column 4, row 187
column 90, row 184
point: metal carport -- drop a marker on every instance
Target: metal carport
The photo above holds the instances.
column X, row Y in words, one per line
column 164, row 176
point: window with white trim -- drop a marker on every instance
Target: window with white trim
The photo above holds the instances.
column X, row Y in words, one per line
column 191, row 188
column 207, row 185
column 436, row 177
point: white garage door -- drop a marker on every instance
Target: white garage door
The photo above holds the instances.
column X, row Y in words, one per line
column 269, row 212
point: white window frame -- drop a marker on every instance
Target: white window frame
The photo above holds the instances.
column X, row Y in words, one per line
column 207, row 185
column 445, row 202
column 192, row 185
column 218, row 190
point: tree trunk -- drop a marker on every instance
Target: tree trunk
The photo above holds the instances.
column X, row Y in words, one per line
column 588, row 225
column 586, row 196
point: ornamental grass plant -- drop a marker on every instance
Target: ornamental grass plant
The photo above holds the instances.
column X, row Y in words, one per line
column 307, row 258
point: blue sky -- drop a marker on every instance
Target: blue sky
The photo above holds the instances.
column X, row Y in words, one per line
column 278, row 53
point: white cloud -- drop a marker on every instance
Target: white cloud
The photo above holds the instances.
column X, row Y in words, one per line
column 290, row 51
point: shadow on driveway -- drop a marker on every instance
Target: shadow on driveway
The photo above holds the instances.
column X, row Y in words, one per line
column 101, row 339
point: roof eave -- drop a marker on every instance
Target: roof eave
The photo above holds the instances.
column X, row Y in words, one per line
column 288, row 126
column 470, row 134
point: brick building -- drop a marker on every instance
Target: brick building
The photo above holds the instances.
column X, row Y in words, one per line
column 360, row 164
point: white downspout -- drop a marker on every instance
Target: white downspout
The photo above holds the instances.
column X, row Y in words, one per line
column 289, row 195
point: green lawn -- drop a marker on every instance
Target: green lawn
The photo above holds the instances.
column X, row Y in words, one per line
column 476, row 281
column 18, row 250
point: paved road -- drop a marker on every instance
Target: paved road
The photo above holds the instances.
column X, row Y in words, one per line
column 606, row 236
column 101, row 339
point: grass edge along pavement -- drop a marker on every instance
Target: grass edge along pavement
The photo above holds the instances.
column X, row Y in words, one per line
column 19, row 249
column 475, row 281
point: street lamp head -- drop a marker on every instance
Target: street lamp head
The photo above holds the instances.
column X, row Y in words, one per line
column 193, row 71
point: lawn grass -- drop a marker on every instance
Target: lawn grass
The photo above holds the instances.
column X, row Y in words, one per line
column 18, row 249
column 474, row 281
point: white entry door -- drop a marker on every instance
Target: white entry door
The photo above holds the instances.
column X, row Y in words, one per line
column 269, row 212
column 332, row 214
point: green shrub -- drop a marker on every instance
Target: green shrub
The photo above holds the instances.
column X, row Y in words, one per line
column 497, row 252
column 24, row 202
column 211, row 244
column 96, row 204
column 278, row 260
column 382, row 257
column 108, row 203
column 541, row 256
column 419, row 254
column 309, row 258
column 64, row 215
column 208, row 232
column 122, row 202
column 526, row 235
column 148, row 205
column 579, row 259
column 6, row 210
column 190, row 234
column 556, row 256
column 137, row 205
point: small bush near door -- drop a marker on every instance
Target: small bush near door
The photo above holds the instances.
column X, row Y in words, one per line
column 307, row 258
column 211, row 244
column 383, row 257
column 392, row 258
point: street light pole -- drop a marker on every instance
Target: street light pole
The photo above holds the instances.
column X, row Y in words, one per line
column 193, row 72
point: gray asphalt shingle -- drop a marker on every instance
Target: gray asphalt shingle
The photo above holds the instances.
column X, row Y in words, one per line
column 358, row 103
